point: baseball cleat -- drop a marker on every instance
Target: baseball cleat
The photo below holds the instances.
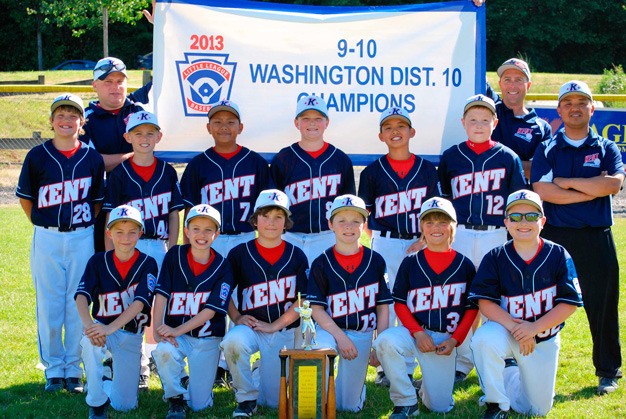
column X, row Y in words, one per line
column 74, row 385
column 607, row 385
column 245, row 409
column 381, row 379
column 494, row 412
column 54, row 384
column 401, row 412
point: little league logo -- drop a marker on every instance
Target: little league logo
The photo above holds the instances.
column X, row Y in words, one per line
column 204, row 80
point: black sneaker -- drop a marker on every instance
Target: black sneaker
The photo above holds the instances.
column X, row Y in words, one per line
column 54, row 384
column 185, row 382
column 245, row 409
column 510, row 362
column 401, row 412
column 178, row 408
column 107, row 371
column 607, row 385
column 494, row 412
column 99, row 412
column 381, row 379
column 74, row 385
column 143, row 382
column 222, row 378
column 459, row 377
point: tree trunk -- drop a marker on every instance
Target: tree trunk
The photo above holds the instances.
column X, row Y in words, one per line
column 105, row 32
column 39, row 44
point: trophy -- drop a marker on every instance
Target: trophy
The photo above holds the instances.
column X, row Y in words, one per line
column 306, row 324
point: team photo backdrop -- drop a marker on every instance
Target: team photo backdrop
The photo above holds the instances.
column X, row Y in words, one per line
column 263, row 56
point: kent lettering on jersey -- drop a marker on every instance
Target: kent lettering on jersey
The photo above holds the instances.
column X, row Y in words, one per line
column 187, row 303
column 227, row 190
column 152, row 206
column 114, row 303
column 435, row 297
column 314, row 188
column 352, row 301
column 400, row 202
column 269, row 293
column 63, row 192
column 478, row 182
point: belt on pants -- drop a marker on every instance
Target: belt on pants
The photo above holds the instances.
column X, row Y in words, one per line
column 64, row 229
column 396, row 235
column 480, row 227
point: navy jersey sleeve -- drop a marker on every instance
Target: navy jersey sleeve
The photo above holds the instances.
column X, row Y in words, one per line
column 317, row 288
column 222, row 289
column 189, row 184
column 612, row 161
column 141, row 95
column 277, row 170
column 167, row 272
column 367, row 190
column 541, row 170
column 147, row 282
column 347, row 183
column 27, row 185
column 517, row 180
column 486, row 283
column 444, row 179
column 568, row 289
column 403, row 283
column 176, row 203
column 114, row 185
column 88, row 284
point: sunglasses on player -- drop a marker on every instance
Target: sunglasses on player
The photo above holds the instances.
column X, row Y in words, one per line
column 531, row 217
column 107, row 67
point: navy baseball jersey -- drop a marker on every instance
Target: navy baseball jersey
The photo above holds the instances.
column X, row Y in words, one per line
column 312, row 183
column 187, row 294
column 394, row 202
column 155, row 199
column 350, row 299
column 478, row 184
column 527, row 291
column 523, row 133
column 104, row 130
column 229, row 185
column 63, row 190
column 267, row 291
column 110, row 295
column 437, row 301
column 558, row 158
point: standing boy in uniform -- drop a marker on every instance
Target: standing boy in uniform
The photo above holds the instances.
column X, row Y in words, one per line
column 576, row 174
column 477, row 176
column 150, row 185
column 350, row 299
column 192, row 297
column 430, row 297
column 119, row 285
column 526, row 288
column 227, row 176
column 269, row 274
column 61, row 188
column 393, row 188
column 312, row 173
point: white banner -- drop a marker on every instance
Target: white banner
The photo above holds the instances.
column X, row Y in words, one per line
column 426, row 58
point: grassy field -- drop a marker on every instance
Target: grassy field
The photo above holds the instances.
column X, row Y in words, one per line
column 21, row 383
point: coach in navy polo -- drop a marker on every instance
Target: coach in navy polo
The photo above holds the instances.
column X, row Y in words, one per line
column 576, row 173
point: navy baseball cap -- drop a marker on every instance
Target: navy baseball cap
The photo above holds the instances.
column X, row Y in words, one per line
column 514, row 64
column 108, row 65
column 479, row 100
column 395, row 112
column 225, row 105
column 142, row 118
column 437, row 204
column 67, row 99
column 125, row 213
column 575, row 87
column 311, row 102
column 206, row 211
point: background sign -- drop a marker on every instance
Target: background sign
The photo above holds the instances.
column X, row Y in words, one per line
column 426, row 58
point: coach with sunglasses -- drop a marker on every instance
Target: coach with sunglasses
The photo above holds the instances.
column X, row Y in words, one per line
column 576, row 173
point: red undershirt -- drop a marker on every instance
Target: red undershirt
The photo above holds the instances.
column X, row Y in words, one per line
column 349, row 262
column 480, row 148
column 144, row 172
column 439, row 262
column 230, row 155
column 271, row 254
column 316, row 154
column 196, row 267
column 124, row 267
column 70, row 153
column 402, row 167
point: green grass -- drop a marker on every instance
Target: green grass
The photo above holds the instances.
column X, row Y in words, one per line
column 21, row 384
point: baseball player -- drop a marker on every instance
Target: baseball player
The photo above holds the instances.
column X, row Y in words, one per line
column 150, row 185
column 350, row 299
column 477, row 176
column 576, row 174
column 119, row 286
column 430, row 295
column 269, row 273
column 393, row 188
column 226, row 176
column 61, row 188
column 519, row 128
column 526, row 288
column 312, row 173
column 192, row 297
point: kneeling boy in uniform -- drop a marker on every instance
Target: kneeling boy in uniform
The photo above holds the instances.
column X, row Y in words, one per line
column 526, row 288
